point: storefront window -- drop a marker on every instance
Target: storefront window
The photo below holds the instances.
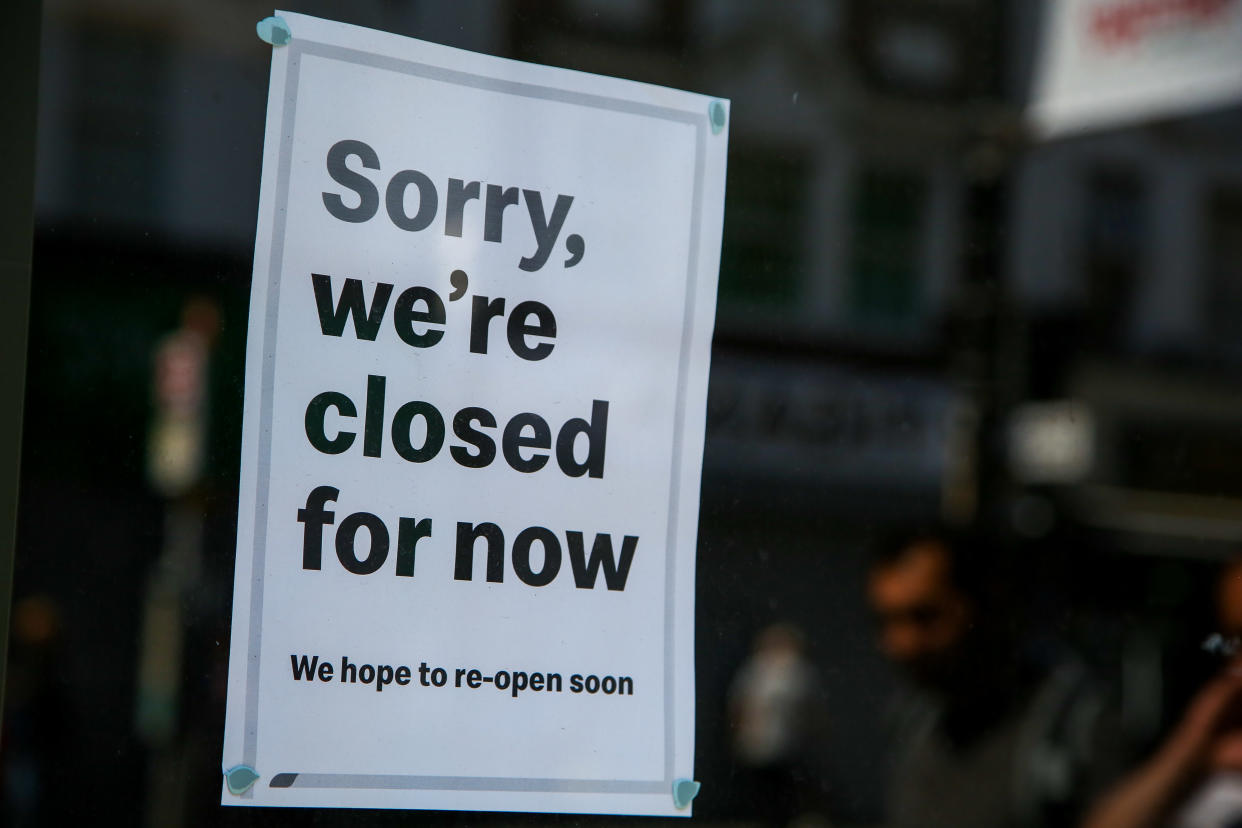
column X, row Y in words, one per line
column 971, row 499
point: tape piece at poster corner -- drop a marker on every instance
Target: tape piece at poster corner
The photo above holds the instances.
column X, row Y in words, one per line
column 274, row 30
column 240, row 778
column 684, row 792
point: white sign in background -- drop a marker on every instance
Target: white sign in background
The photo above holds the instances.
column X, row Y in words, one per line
column 1106, row 63
column 629, row 276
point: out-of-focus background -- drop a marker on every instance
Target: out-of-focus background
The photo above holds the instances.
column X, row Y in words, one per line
column 929, row 314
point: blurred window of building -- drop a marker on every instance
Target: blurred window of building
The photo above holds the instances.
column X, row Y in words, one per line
column 1115, row 247
column 1223, row 263
column 632, row 16
column 569, row 26
column 888, row 216
column 118, row 79
column 928, row 49
column 762, row 265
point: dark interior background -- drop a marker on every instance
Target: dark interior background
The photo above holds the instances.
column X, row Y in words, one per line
column 906, row 280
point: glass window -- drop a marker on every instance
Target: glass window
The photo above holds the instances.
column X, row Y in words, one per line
column 971, row 506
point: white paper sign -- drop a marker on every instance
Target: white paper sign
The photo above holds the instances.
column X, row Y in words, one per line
column 1111, row 62
column 476, row 376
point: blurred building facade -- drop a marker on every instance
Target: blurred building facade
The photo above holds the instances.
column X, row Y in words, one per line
column 906, row 280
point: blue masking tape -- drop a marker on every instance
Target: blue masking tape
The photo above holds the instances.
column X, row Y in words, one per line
column 239, row 778
column 684, row 792
column 273, row 30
